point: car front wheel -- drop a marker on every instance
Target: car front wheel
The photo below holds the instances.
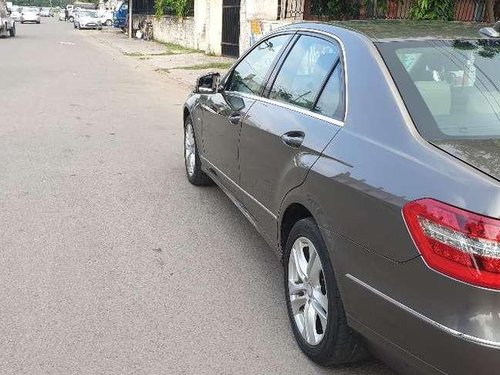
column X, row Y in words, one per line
column 192, row 160
column 314, row 304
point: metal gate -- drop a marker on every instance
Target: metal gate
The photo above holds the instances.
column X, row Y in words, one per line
column 231, row 27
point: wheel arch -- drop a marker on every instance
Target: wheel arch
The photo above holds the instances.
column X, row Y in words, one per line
column 293, row 212
column 299, row 203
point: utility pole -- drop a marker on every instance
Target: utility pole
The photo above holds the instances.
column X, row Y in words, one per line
column 130, row 28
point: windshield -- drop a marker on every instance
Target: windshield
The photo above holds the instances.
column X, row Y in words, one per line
column 87, row 14
column 451, row 88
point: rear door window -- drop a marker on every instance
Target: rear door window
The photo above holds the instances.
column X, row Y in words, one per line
column 304, row 71
column 331, row 101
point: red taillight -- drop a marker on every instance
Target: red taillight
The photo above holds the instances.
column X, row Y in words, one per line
column 455, row 242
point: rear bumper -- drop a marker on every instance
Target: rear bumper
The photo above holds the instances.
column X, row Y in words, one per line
column 90, row 26
column 427, row 346
column 417, row 317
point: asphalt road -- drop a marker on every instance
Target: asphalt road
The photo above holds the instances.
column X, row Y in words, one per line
column 110, row 261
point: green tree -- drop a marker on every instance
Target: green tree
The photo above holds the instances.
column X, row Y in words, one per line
column 433, row 10
column 180, row 8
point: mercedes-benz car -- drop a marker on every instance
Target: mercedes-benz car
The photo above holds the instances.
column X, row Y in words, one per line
column 367, row 154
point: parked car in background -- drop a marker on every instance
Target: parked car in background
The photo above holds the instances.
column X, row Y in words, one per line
column 367, row 154
column 106, row 17
column 45, row 12
column 16, row 13
column 87, row 19
column 72, row 13
column 121, row 16
column 30, row 14
column 62, row 15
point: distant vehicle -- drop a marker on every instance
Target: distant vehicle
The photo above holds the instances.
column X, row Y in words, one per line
column 87, row 19
column 62, row 15
column 7, row 24
column 84, row 5
column 46, row 12
column 72, row 14
column 106, row 17
column 121, row 16
column 30, row 15
column 16, row 13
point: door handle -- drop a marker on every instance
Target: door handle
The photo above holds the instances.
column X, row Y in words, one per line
column 235, row 118
column 293, row 139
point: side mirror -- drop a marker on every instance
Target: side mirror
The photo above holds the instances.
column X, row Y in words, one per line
column 208, row 84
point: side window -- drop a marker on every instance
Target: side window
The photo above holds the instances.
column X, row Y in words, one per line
column 304, row 71
column 248, row 76
column 331, row 100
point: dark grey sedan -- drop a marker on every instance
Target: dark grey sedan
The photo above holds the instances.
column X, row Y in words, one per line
column 370, row 162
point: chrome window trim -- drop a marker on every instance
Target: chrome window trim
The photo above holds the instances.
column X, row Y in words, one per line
column 297, row 108
column 218, row 171
column 344, row 63
column 291, row 107
column 448, row 330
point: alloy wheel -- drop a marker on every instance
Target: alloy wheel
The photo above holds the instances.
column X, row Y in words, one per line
column 189, row 149
column 307, row 291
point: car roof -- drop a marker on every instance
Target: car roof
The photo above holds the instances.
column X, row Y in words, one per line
column 391, row 30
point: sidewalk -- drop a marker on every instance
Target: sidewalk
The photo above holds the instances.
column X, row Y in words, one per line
column 178, row 63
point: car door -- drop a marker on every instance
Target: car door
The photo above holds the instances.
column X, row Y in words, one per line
column 223, row 111
column 282, row 136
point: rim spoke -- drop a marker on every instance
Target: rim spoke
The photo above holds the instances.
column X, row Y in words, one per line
column 297, row 302
column 294, row 288
column 314, row 265
column 310, row 323
column 321, row 299
column 297, row 262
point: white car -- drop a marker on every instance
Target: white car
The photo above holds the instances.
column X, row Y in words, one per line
column 45, row 12
column 87, row 19
column 106, row 17
column 16, row 13
column 62, row 15
column 30, row 15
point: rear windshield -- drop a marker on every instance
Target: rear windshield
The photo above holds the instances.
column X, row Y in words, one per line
column 451, row 88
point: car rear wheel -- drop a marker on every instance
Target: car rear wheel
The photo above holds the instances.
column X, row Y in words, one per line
column 109, row 22
column 314, row 304
column 192, row 158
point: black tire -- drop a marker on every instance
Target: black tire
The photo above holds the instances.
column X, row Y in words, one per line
column 340, row 344
column 71, row 19
column 198, row 177
column 109, row 23
column 12, row 31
